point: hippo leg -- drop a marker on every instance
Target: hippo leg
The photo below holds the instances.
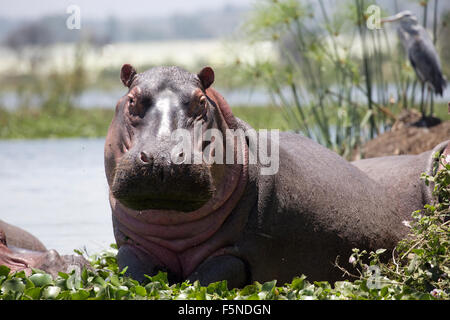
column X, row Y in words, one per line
column 225, row 267
column 139, row 264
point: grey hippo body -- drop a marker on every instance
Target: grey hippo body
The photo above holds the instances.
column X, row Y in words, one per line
column 20, row 250
column 212, row 222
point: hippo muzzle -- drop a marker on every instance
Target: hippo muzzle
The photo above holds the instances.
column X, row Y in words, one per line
column 146, row 178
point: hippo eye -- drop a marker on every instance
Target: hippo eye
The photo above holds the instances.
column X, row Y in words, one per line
column 132, row 102
column 132, row 106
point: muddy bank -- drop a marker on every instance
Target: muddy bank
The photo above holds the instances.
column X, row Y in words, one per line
column 405, row 138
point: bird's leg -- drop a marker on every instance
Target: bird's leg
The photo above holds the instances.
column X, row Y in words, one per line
column 430, row 92
column 422, row 105
column 426, row 95
column 413, row 94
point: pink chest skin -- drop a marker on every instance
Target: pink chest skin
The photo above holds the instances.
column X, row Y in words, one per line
column 179, row 241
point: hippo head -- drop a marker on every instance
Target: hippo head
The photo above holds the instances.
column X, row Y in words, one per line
column 139, row 148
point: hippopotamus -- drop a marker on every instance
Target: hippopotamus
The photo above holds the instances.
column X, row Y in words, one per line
column 231, row 220
column 20, row 250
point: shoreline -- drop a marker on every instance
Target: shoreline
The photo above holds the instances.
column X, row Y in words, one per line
column 93, row 123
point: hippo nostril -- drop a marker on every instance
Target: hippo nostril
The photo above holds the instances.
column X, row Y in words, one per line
column 146, row 158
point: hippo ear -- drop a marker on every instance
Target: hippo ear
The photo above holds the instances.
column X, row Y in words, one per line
column 206, row 77
column 127, row 74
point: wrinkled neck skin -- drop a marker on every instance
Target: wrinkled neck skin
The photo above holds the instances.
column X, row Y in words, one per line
column 179, row 240
column 17, row 259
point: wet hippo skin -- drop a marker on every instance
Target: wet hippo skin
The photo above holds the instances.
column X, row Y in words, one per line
column 212, row 222
column 20, row 250
column 20, row 238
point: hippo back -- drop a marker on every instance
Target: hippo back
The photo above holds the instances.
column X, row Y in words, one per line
column 400, row 175
column 316, row 208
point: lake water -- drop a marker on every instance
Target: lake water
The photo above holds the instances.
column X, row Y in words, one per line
column 57, row 190
column 108, row 99
column 235, row 97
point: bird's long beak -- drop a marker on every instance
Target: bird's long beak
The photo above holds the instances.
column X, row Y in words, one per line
column 393, row 18
column 396, row 17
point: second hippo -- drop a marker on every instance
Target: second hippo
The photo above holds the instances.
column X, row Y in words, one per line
column 21, row 251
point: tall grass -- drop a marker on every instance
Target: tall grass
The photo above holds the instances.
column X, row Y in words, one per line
column 53, row 91
column 328, row 60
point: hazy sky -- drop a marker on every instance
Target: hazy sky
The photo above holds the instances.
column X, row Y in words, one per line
column 103, row 8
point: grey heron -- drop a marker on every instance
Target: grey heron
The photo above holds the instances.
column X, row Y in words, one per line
column 421, row 51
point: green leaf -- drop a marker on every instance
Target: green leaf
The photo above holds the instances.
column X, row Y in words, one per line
column 20, row 274
column 13, row 285
column 77, row 251
column 160, row 277
column 33, row 293
column 51, row 292
column 269, row 286
column 36, row 270
column 121, row 292
column 254, row 296
column 153, row 288
column 249, row 290
column 80, row 295
column 63, row 275
column 220, row 288
column 28, row 283
column 62, row 283
column 140, row 291
column 123, row 271
column 298, row 283
column 115, row 280
column 41, row 279
column 4, row 270
column 100, row 281
column 201, row 294
column 84, row 275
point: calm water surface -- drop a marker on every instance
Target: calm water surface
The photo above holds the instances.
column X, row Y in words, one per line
column 235, row 97
column 57, row 190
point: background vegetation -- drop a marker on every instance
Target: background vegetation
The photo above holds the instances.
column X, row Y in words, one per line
column 337, row 81
column 328, row 77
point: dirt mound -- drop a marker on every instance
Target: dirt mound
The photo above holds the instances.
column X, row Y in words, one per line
column 406, row 138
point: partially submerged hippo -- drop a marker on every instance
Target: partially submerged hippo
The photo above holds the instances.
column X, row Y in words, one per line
column 19, row 250
column 211, row 221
